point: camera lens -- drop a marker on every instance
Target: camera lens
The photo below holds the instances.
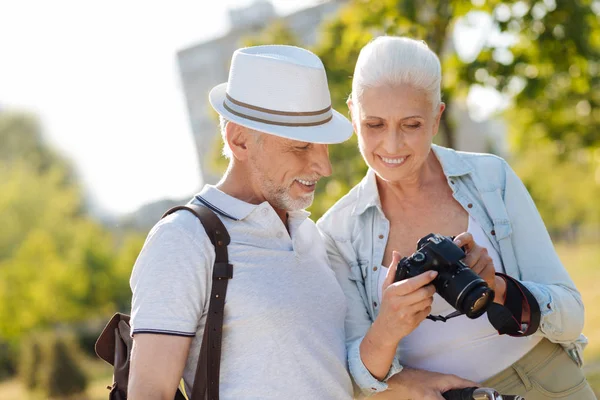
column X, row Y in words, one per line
column 465, row 290
column 480, row 303
column 477, row 300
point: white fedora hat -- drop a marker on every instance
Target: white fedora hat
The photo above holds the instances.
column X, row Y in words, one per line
column 281, row 90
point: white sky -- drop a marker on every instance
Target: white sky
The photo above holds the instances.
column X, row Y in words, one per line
column 102, row 76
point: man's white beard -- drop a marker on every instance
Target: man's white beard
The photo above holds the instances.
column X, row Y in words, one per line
column 280, row 197
column 300, row 203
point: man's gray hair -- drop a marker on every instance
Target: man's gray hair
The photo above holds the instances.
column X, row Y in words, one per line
column 389, row 60
column 258, row 137
column 226, row 149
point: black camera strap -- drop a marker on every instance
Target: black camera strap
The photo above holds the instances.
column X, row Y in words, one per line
column 508, row 319
column 446, row 318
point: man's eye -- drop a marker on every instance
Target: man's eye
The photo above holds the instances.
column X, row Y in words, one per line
column 374, row 126
column 413, row 126
column 303, row 147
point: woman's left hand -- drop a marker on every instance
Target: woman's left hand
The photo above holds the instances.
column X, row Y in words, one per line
column 477, row 258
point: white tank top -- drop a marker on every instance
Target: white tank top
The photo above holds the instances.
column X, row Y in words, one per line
column 469, row 348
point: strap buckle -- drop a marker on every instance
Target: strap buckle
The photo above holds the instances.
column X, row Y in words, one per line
column 222, row 270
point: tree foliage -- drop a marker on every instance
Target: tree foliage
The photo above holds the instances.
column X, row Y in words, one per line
column 57, row 264
column 541, row 55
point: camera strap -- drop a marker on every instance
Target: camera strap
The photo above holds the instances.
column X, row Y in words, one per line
column 442, row 318
column 507, row 319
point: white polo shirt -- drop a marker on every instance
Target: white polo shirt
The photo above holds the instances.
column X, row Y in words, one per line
column 283, row 331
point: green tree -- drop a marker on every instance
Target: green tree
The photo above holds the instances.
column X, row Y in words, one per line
column 57, row 265
column 541, row 55
column 61, row 374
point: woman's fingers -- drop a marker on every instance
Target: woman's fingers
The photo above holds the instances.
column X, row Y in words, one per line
column 421, row 306
column 401, row 302
column 477, row 258
column 474, row 256
column 465, row 239
column 410, row 285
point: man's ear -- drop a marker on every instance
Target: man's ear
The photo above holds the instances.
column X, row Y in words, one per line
column 237, row 138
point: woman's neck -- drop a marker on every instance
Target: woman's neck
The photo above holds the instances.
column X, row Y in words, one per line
column 412, row 187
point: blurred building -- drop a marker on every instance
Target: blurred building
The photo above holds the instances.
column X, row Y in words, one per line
column 207, row 64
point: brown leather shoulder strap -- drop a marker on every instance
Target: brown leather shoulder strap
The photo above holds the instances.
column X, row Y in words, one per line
column 206, row 382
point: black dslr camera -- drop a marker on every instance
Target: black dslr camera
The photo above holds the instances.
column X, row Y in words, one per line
column 455, row 282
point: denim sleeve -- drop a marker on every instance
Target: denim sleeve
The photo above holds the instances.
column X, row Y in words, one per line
column 367, row 383
column 541, row 269
column 357, row 321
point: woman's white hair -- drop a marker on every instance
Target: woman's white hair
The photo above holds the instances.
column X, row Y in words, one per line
column 390, row 60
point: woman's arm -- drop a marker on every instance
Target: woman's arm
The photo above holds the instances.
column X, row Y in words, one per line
column 541, row 269
column 371, row 346
column 357, row 321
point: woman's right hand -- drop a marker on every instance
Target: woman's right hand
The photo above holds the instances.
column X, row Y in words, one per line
column 404, row 304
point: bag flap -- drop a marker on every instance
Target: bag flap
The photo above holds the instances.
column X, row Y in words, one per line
column 105, row 345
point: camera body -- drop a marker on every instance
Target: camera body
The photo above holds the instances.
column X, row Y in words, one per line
column 455, row 282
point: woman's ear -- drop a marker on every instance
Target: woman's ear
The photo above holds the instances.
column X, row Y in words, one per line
column 237, row 138
column 350, row 105
column 438, row 117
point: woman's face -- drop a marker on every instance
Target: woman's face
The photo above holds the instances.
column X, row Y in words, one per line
column 395, row 127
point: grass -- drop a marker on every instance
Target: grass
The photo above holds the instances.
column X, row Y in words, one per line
column 580, row 260
column 98, row 372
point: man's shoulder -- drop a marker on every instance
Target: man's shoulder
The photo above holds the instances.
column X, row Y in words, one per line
column 180, row 224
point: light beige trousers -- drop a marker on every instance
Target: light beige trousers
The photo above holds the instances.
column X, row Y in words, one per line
column 546, row 372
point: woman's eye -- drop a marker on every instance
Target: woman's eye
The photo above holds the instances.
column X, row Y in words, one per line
column 374, row 126
column 413, row 126
column 303, row 147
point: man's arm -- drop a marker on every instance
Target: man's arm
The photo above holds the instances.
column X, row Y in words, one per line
column 157, row 363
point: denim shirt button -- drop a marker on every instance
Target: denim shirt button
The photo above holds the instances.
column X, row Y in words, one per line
column 470, row 205
column 374, row 304
column 381, row 236
column 493, row 232
column 375, row 268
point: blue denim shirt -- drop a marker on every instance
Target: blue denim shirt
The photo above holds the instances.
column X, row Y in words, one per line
column 356, row 231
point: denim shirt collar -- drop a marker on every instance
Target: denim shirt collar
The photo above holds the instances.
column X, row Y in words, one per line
column 368, row 193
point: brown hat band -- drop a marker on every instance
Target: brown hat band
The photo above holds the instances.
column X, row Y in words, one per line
column 275, row 117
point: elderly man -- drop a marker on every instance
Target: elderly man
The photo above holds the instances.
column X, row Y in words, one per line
column 283, row 330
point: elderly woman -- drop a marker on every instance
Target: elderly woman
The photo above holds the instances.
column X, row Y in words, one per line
column 414, row 188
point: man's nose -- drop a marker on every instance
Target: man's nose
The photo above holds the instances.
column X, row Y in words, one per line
column 321, row 163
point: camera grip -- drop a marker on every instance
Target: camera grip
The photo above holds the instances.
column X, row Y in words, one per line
column 401, row 272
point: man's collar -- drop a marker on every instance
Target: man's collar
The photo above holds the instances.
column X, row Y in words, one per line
column 224, row 204
column 368, row 193
column 236, row 209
